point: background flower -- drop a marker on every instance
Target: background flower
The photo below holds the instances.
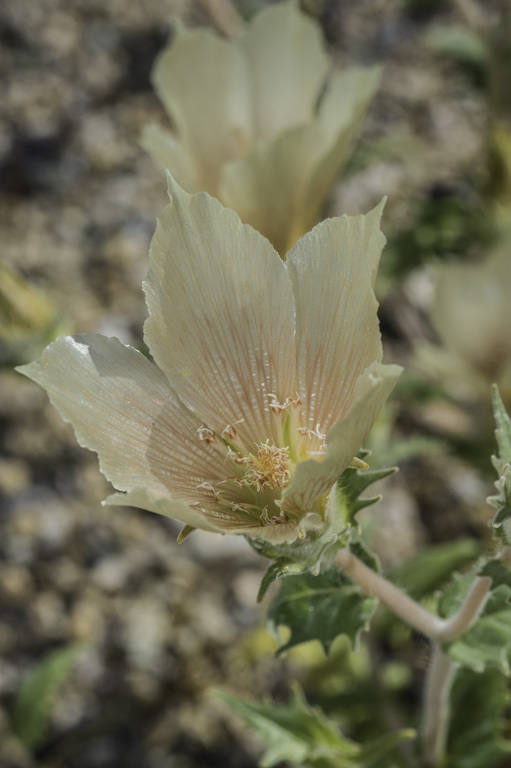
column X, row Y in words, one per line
column 267, row 377
column 249, row 128
column 471, row 314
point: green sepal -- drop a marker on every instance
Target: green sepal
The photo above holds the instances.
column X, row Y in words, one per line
column 303, row 735
column 502, row 463
column 351, row 484
column 343, row 505
column 185, row 532
column 320, row 608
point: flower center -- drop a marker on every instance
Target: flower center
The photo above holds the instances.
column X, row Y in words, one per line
column 271, row 466
column 256, row 476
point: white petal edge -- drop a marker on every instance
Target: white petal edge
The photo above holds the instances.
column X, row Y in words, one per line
column 333, row 269
column 221, row 322
column 313, row 479
column 177, row 510
column 121, row 407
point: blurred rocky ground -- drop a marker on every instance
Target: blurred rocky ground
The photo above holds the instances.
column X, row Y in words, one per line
column 160, row 624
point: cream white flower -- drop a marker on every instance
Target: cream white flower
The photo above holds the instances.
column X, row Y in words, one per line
column 248, row 127
column 267, row 376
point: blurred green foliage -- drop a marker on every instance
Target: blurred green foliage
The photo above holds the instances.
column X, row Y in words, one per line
column 36, row 697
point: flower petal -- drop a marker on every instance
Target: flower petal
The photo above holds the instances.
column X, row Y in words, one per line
column 177, row 510
column 280, row 186
column 267, row 188
column 121, row 406
column 221, row 320
column 287, row 66
column 276, row 533
column 342, row 111
column 313, row 479
column 169, row 152
column 202, row 82
column 337, row 334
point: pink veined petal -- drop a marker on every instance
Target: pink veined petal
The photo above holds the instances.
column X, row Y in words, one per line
column 313, row 479
column 221, row 320
column 287, row 67
column 202, row 81
column 120, row 405
column 276, row 533
column 337, row 334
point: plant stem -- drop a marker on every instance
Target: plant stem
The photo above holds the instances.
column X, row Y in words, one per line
column 394, row 598
column 436, row 706
column 441, row 672
column 469, row 611
column 424, row 621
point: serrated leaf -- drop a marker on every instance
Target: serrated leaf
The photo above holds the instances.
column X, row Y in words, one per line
column 455, row 592
column 305, row 736
column 34, row 701
column 503, row 426
column 478, row 705
column 278, row 569
column 296, row 732
column 502, row 463
column 320, row 608
column 488, row 642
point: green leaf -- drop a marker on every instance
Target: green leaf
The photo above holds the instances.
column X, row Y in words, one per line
column 296, row 732
column 456, row 591
column 478, row 705
column 502, row 463
column 35, row 699
column 374, row 752
column 428, row 570
column 488, row 642
column 460, row 43
column 320, row 608
column 303, row 735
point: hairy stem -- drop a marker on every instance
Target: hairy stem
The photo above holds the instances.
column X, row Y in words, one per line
column 436, row 706
column 438, row 630
column 394, row 598
column 469, row 611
